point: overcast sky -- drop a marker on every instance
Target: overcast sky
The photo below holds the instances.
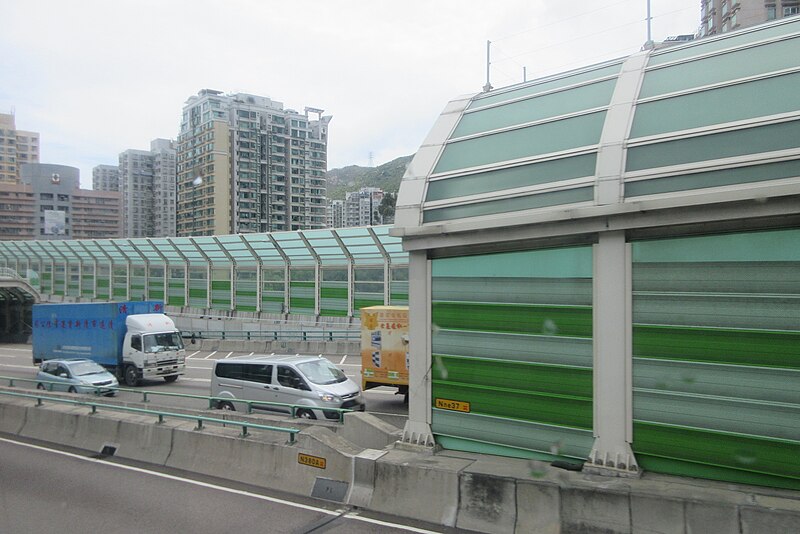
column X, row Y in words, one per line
column 95, row 78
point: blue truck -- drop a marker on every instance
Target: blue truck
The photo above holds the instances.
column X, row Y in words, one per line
column 134, row 340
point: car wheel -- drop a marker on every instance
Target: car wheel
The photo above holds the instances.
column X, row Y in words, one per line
column 170, row 379
column 306, row 414
column 41, row 386
column 72, row 389
column 131, row 379
column 227, row 406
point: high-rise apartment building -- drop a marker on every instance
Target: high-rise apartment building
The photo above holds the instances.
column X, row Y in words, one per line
column 246, row 164
column 361, row 207
column 335, row 213
column 720, row 16
column 147, row 184
column 105, row 178
column 48, row 203
column 17, row 147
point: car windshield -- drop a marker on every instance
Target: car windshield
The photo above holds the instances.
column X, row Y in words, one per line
column 322, row 372
column 163, row 341
column 86, row 368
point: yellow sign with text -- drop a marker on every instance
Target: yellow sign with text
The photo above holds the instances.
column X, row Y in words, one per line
column 313, row 461
column 456, row 406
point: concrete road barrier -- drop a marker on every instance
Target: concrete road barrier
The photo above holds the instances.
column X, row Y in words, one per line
column 457, row 489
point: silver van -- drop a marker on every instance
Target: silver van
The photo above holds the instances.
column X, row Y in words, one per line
column 311, row 381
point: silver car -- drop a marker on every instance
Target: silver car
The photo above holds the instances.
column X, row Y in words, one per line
column 311, row 382
column 76, row 375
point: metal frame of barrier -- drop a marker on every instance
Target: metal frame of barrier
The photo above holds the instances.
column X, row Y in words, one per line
column 160, row 414
column 293, row 408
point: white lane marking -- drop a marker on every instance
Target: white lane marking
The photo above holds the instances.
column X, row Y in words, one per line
column 210, row 355
column 343, row 359
column 349, row 515
column 251, row 353
column 8, row 356
column 229, row 355
column 350, row 364
column 20, row 350
column 192, row 354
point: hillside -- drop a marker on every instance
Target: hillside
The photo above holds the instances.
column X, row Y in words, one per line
column 353, row 177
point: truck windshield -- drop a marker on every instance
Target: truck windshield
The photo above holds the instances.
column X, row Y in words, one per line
column 162, row 342
column 322, row 372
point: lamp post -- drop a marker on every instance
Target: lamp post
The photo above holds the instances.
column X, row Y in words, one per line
column 197, row 182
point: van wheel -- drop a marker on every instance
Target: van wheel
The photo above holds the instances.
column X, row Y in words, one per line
column 306, row 414
column 72, row 389
column 170, row 379
column 131, row 379
column 40, row 386
column 227, row 406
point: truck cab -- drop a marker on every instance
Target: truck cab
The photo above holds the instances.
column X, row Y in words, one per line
column 153, row 348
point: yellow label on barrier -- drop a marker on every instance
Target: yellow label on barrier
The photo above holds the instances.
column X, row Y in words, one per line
column 457, row 406
column 313, row 461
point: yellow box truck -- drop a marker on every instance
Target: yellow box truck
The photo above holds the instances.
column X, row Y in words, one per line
column 384, row 348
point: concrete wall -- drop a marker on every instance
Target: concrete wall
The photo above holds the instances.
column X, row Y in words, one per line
column 462, row 490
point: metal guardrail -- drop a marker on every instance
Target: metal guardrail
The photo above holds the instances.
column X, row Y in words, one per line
column 275, row 335
column 158, row 413
column 212, row 401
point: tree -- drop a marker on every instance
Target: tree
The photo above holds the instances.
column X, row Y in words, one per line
column 386, row 207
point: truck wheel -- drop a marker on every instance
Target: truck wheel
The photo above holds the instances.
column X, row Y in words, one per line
column 131, row 379
column 170, row 379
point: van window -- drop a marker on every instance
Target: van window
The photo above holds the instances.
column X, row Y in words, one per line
column 289, row 378
column 245, row 371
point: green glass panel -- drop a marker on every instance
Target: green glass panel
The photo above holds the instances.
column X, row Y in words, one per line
column 552, row 409
column 709, row 46
column 721, row 68
column 302, row 284
column 542, row 200
column 581, row 98
column 756, row 140
column 565, row 79
column 328, row 312
column 573, row 321
column 523, row 142
column 724, row 456
column 767, row 246
column 561, row 380
column 553, row 264
column 334, row 292
column 526, row 175
column 754, row 99
column 509, row 437
column 514, row 347
column 299, row 302
column 365, row 303
column 724, row 177
column 717, row 345
column 222, row 285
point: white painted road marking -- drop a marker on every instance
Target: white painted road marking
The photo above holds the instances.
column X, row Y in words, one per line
column 210, row 355
column 343, row 359
column 349, row 515
column 229, row 355
column 192, row 354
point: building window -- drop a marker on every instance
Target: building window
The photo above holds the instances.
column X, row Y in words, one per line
column 790, row 10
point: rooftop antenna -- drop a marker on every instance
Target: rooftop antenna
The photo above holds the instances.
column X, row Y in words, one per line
column 488, row 86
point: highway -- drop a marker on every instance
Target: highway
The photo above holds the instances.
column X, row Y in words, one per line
column 16, row 361
column 45, row 489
